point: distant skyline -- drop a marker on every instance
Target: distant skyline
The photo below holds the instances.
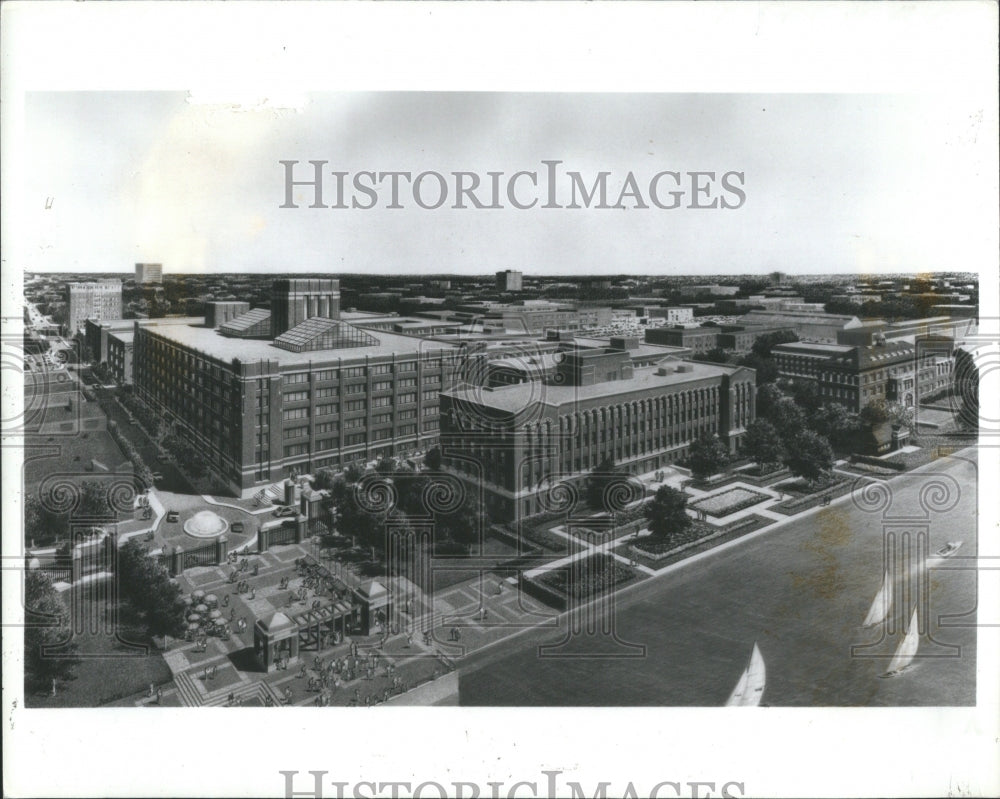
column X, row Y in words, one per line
column 834, row 184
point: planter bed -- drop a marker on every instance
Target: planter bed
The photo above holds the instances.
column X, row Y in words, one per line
column 586, row 578
column 729, row 502
column 834, row 488
column 713, row 537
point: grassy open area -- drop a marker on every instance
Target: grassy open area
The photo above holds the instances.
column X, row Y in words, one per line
column 109, row 669
column 72, row 455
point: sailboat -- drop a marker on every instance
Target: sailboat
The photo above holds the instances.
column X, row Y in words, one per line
column 907, row 650
column 750, row 688
column 882, row 605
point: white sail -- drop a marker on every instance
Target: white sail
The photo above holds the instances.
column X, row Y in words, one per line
column 907, row 649
column 750, row 688
column 882, row 605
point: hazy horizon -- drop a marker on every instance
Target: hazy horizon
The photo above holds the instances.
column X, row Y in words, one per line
column 833, row 184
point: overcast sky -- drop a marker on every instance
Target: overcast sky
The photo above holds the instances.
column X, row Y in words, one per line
column 833, row 183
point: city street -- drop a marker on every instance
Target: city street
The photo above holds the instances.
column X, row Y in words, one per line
column 800, row 590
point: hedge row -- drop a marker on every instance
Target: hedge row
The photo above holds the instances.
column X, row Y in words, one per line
column 871, row 460
column 142, row 471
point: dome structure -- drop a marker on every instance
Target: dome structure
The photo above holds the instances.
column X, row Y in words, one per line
column 206, row 524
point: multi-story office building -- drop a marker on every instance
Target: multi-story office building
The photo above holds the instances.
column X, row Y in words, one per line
column 808, row 325
column 148, row 273
column 857, row 376
column 120, row 345
column 97, row 300
column 741, row 338
column 97, row 333
column 700, row 339
column 319, row 393
column 517, row 441
column 509, row 280
column 891, row 373
column 803, row 360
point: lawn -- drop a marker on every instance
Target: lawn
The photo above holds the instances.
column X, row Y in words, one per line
column 109, row 669
column 730, row 501
column 72, row 455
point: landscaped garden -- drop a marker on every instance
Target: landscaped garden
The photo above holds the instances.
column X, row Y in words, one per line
column 588, row 577
column 730, row 501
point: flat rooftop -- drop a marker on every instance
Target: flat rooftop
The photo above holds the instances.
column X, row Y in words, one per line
column 516, row 397
column 211, row 343
column 805, row 346
column 644, row 350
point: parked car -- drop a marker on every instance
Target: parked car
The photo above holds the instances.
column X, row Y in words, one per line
column 284, row 510
column 237, row 527
column 173, row 516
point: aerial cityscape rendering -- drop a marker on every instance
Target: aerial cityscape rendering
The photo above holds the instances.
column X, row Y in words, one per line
column 333, row 489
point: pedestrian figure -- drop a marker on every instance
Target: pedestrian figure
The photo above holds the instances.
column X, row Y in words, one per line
column 159, row 696
column 499, row 588
column 232, row 614
column 409, row 640
column 256, row 569
column 225, row 601
column 253, row 593
column 231, row 699
column 151, row 690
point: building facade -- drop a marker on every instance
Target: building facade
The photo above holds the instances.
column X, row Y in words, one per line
column 516, row 442
column 148, row 273
column 509, row 280
column 99, row 300
column 891, row 373
column 320, row 394
column 698, row 338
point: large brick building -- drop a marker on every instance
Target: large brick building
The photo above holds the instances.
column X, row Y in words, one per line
column 892, row 373
column 515, row 441
column 320, row 393
column 857, row 376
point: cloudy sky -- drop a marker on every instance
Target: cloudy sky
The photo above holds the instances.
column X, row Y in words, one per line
column 833, row 183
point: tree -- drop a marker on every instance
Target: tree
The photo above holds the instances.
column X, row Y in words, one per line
column 805, row 393
column 765, row 368
column 762, row 442
column 597, row 483
column 707, row 456
column 666, row 512
column 879, row 411
column 49, row 651
column 94, row 500
column 387, row 466
column 763, row 345
column 432, row 460
column 716, row 355
column 834, row 422
column 463, row 524
column 354, row 472
column 767, row 397
column 41, row 525
column 809, row 455
column 146, row 585
column 787, row 418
